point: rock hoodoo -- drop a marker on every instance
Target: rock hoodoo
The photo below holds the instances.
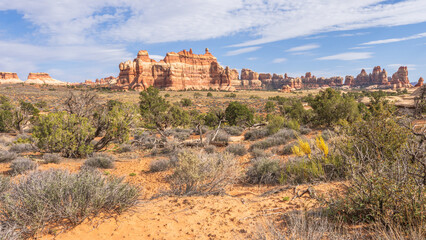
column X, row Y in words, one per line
column 400, row 78
column 42, row 78
column 420, row 83
column 177, row 71
column 9, row 78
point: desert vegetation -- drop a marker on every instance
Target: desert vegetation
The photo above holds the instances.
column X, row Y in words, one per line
column 370, row 158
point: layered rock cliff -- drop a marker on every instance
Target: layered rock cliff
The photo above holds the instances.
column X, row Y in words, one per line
column 177, row 71
column 400, row 78
column 42, row 78
column 9, row 78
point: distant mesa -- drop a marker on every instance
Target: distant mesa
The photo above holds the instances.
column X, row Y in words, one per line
column 9, row 78
column 42, row 78
column 102, row 82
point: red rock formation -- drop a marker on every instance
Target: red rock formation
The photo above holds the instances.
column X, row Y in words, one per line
column 400, row 78
column 286, row 89
column 250, row 79
column 42, row 78
column 177, row 71
column 378, row 77
column 349, row 80
column 419, row 83
column 9, row 78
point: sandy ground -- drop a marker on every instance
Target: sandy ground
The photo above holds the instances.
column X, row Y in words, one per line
column 237, row 215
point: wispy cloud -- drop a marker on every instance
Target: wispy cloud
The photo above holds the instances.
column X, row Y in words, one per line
column 395, row 66
column 352, row 34
column 279, row 60
column 363, row 47
column 252, row 58
column 302, row 48
column 241, row 51
column 393, row 40
column 348, row 56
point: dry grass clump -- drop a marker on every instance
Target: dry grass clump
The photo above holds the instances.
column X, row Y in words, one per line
column 22, row 165
column 64, row 199
column 237, row 149
column 201, row 173
column 52, row 158
column 6, row 156
column 99, row 160
column 8, row 232
column 159, row 165
column 263, row 170
column 306, row 226
column 123, row 148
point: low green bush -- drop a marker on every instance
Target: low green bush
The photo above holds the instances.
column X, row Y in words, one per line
column 283, row 136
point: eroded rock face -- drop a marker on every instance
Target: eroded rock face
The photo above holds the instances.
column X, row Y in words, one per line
column 177, row 71
column 420, row 83
column 9, row 78
column 42, row 78
column 400, row 78
column 349, row 80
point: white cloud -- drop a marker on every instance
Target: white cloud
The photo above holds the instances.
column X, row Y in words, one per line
column 348, row 56
column 303, row 48
column 252, row 58
column 241, row 51
column 279, row 60
column 82, row 21
column 393, row 40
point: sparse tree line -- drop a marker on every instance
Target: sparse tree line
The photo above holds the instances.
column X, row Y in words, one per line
column 372, row 147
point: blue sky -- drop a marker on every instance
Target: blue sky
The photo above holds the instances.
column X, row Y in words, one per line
column 75, row 40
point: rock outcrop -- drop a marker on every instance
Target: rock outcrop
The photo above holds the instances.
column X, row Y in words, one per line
column 400, row 79
column 177, row 71
column 9, row 78
column 420, row 83
column 250, row 79
column 379, row 79
column 42, row 78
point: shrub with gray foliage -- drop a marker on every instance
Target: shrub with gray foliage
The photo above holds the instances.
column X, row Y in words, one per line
column 6, row 156
column 159, row 165
column 21, row 148
column 210, row 149
column 201, row 173
column 234, row 130
column 65, row 199
column 22, row 165
column 283, row 136
column 104, row 161
column 255, row 134
column 263, row 170
column 52, row 158
column 237, row 149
